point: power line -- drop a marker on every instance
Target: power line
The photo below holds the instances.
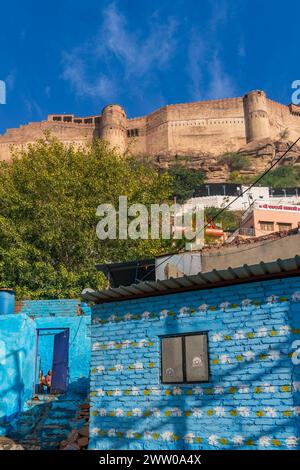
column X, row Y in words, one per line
column 226, row 207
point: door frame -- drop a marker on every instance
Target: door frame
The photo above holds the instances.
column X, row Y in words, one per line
column 61, row 329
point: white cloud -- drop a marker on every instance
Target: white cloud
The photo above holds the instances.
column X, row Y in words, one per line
column 208, row 76
column 118, row 57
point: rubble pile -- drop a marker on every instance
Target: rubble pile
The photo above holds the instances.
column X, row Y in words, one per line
column 78, row 439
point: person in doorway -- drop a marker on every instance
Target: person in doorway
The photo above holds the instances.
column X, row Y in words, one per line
column 41, row 383
column 48, row 380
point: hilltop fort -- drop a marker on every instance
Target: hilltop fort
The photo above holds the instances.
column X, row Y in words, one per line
column 199, row 132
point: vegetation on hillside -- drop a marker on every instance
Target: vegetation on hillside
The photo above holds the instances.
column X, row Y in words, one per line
column 235, row 162
column 282, row 177
column 48, row 200
column 184, row 182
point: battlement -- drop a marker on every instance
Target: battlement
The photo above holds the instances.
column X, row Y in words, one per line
column 201, row 127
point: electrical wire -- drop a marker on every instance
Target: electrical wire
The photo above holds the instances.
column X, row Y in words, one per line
column 226, row 207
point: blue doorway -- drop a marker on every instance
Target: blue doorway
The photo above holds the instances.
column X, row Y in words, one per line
column 52, row 361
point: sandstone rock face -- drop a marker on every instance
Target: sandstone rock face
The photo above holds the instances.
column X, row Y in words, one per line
column 262, row 153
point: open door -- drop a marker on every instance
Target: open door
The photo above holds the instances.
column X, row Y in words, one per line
column 60, row 363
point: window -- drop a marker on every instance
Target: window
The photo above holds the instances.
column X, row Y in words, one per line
column 282, row 226
column 184, row 358
column 266, row 226
column 132, row 133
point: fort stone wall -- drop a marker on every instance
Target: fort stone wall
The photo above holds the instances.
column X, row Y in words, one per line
column 205, row 128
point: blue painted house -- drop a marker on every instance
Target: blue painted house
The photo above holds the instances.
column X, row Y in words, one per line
column 40, row 336
column 201, row 362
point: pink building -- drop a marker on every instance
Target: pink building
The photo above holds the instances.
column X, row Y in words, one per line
column 262, row 219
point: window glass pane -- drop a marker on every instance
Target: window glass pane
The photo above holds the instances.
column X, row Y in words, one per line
column 172, row 359
column 196, row 358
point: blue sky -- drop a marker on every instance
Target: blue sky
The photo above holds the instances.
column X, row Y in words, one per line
column 76, row 56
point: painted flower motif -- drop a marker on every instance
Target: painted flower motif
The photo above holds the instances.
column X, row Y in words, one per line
column 119, row 412
column 296, row 386
column 95, row 431
column 243, row 388
column 225, row 359
column 102, row 412
column 264, row 441
column 198, row 391
column 297, row 410
column 147, row 435
column 130, row 434
column 203, row 307
column 142, row 343
column 100, row 369
column 239, row 335
column 167, row 435
column 176, row 391
column 138, row 365
column 220, row 411
column 128, row 316
column 134, row 391
column 262, row 332
column 119, row 367
column 291, row 441
column 100, row 392
column 270, row 412
column 272, row 299
column 296, row 296
column 112, row 318
column 246, row 302
column 117, row 392
column 196, row 412
column 137, row 412
column 155, row 391
column 243, row 411
column 163, row 313
column 126, row 343
column 274, row 355
column 145, row 315
column 111, row 345
column 238, row 440
column 216, row 337
column 224, row 305
column 95, row 346
column 177, row 412
column 156, row 412
column 284, row 330
column 249, row 355
column 213, row 440
column 189, row 437
column 183, row 311
column 268, row 388
column 218, row 390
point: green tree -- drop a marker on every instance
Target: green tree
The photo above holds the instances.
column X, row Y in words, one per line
column 185, row 181
column 48, row 199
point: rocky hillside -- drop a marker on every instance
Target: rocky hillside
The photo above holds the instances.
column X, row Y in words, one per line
column 259, row 155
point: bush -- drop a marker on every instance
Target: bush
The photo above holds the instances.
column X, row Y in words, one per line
column 235, row 162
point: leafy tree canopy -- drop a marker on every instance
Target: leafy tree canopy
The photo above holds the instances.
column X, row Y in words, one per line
column 48, row 199
column 185, row 181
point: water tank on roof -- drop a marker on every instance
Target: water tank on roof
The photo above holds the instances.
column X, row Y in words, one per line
column 7, row 301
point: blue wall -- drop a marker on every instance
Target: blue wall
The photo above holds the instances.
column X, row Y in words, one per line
column 18, row 334
column 17, row 356
column 252, row 398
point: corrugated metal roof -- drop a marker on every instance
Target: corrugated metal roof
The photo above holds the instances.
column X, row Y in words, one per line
column 210, row 279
